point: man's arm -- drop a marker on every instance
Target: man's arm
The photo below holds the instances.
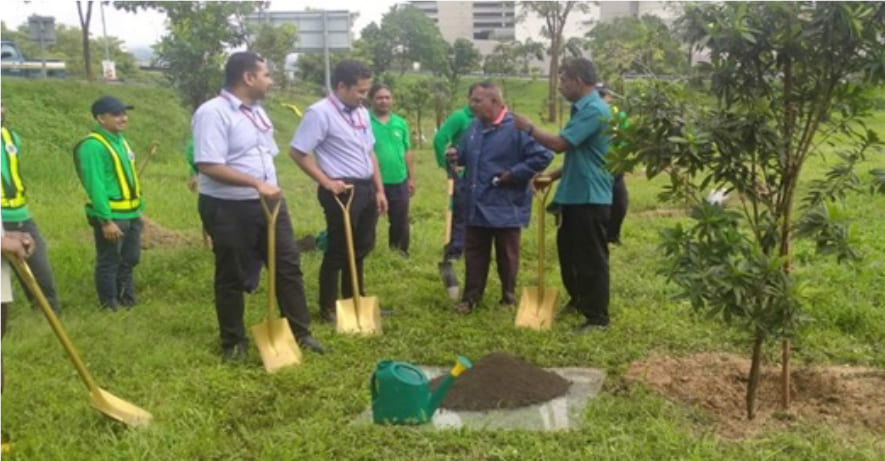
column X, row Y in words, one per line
column 223, row 173
column 551, row 141
column 380, row 197
column 308, row 164
column 410, row 165
column 92, row 177
column 444, row 136
column 535, row 158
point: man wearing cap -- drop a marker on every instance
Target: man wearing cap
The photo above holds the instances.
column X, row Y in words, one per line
column 333, row 145
column 17, row 217
column 234, row 150
column 105, row 163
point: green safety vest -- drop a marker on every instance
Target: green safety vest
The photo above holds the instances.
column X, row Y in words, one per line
column 130, row 190
column 12, row 194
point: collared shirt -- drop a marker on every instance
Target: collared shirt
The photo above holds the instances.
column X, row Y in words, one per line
column 391, row 146
column 585, row 177
column 227, row 131
column 339, row 137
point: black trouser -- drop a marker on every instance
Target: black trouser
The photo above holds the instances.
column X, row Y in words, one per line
column 398, row 214
column 619, row 209
column 363, row 218
column 477, row 255
column 38, row 261
column 583, row 259
column 239, row 238
column 115, row 263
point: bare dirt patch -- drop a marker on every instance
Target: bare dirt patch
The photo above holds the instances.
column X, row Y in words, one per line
column 153, row 235
column 845, row 397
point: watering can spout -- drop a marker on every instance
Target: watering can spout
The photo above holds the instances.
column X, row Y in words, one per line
column 442, row 389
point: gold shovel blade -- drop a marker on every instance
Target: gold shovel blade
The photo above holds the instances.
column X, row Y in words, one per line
column 119, row 409
column 365, row 320
column 276, row 344
column 534, row 312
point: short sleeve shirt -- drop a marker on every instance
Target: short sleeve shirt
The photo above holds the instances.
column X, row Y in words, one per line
column 228, row 132
column 585, row 177
column 391, row 145
column 339, row 137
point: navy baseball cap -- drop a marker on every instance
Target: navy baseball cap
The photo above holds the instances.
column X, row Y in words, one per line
column 109, row 105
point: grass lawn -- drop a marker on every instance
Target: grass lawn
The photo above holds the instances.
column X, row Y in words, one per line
column 164, row 355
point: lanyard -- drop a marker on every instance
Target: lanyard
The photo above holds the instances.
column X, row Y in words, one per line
column 259, row 122
column 360, row 124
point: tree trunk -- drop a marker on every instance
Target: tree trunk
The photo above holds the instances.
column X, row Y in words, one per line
column 785, row 343
column 753, row 380
column 84, row 29
column 420, row 132
column 553, row 80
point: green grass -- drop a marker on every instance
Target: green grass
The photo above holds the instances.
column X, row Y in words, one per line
column 164, row 354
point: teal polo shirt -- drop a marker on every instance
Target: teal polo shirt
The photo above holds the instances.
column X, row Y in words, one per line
column 585, row 178
column 391, row 145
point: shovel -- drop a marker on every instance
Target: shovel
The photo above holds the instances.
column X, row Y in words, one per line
column 537, row 303
column 273, row 337
column 446, row 271
column 102, row 400
column 359, row 314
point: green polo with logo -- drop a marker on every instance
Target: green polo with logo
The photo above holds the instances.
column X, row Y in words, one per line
column 95, row 166
column 450, row 133
column 391, row 145
column 12, row 214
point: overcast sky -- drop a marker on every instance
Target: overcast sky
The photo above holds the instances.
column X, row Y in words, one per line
column 146, row 27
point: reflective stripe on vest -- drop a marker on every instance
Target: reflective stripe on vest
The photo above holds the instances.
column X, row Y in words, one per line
column 11, row 195
column 128, row 201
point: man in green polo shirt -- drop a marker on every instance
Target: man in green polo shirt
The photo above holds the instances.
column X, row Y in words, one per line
column 584, row 195
column 393, row 150
column 449, row 135
column 17, row 217
column 105, row 163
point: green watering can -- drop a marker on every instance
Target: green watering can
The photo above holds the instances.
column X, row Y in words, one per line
column 401, row 392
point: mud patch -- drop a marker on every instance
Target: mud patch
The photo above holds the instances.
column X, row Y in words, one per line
column 153, row 235
column 845, row 397
column 500, row 380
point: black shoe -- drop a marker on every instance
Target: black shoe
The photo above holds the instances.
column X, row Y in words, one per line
column 567, row 309
column 235, row 353
column 463, row 307
column 328, row 315
column 591, row 325
column 310, row 343
column 506, row 303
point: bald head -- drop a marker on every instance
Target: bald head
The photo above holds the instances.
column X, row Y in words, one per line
column 486, row 101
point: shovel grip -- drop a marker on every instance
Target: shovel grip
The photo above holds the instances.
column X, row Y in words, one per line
column 351, row 253
column 271, row 216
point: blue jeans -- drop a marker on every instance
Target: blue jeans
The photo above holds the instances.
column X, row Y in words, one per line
column 115, row 263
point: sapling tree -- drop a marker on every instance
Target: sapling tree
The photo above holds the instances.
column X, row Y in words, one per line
column 786, row 80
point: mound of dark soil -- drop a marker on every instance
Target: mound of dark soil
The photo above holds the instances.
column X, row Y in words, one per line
column 500, row 380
